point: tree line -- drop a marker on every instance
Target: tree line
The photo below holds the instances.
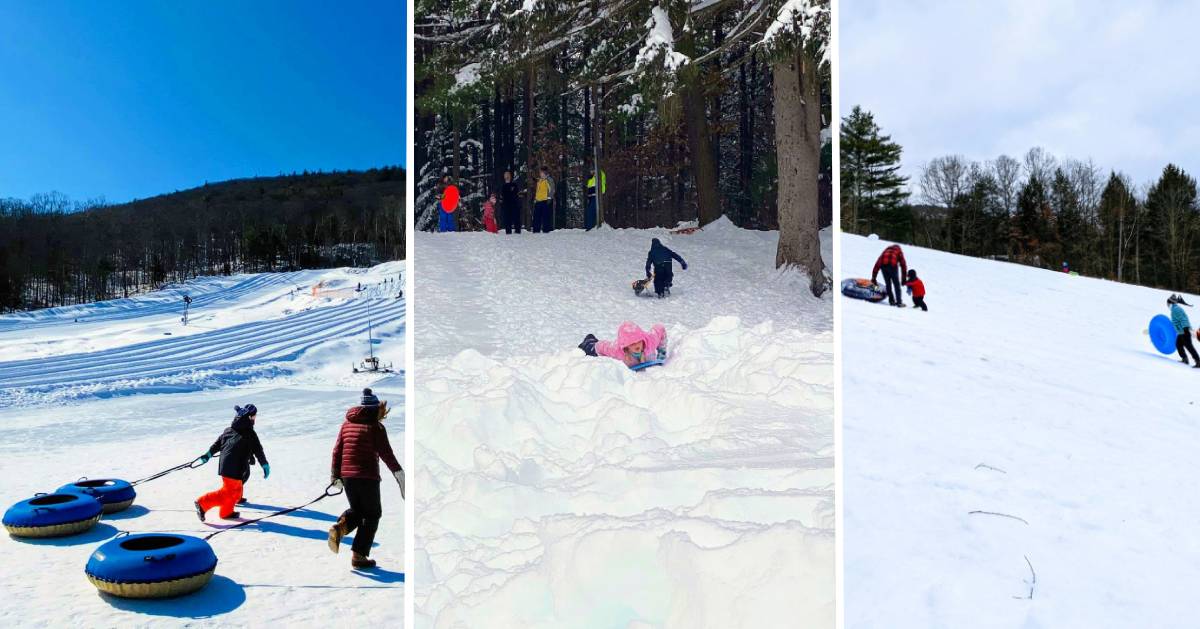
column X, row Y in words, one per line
column 56, row 252
column 693, row 110
column 1039, row 210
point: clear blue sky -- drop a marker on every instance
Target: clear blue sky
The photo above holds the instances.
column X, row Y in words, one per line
column 136, row 98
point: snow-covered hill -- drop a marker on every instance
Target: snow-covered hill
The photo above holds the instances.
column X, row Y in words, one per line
column 122, row 389
column 1023, row 426
column 560, row 490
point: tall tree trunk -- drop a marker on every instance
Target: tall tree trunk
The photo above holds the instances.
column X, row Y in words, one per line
column 527, row 134
column 695, row 121
column 798, row 146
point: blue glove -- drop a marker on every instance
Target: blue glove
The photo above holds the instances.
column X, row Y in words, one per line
column 910, row 290
column 204, row 458
column 662, row 353
column 684, row 265
column 266, row 470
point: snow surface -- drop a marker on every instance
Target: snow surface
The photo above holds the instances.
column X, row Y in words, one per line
column 1030, row 394
column 561, row 490
column 114, row 396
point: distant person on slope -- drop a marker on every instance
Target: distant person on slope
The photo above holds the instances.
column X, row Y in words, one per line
column 510, row 203
column 1183, row 330
column 659, row 259
column 892, row 263
column 633, row 346
column 542, row 198
column 239, row 447
column 447, row 205
column 489, row 214
column 361, row 442
column 916, row 288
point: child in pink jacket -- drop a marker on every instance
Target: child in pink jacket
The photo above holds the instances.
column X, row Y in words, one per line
column 633, row 345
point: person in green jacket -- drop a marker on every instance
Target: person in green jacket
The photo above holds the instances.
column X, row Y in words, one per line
column 1183, row 330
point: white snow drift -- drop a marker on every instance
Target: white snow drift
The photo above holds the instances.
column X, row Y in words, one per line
column 562, row 490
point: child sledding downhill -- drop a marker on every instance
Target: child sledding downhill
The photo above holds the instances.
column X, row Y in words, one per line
column 1183, row 330
column 633, row 346
column 239, row 447
column 659, row 260
column 361, row 443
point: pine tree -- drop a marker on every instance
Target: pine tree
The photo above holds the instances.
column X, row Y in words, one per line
column 1171, row 206
column 1028, row 228
column 872, row 188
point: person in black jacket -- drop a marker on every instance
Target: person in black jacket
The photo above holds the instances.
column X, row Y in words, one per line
column 510, row 203
column 659, row 259
column 239, row 447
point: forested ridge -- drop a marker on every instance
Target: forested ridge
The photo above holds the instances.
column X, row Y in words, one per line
column 1039, row 209
column 55, row 251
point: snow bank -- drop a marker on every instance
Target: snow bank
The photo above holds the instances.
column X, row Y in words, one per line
column 560, row 489
column 1028, row 394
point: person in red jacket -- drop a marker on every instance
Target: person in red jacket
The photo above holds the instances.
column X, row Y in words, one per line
column 892, row 263
column 916, row 288
column 361, row 442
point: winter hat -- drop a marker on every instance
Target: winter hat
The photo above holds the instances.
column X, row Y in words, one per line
column 912, row 274
column 368, row 398
column 245, row 411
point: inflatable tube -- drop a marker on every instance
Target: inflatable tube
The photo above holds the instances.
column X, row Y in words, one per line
column 114, row 494
column 151, row 565
column 52, row 515
column 1162, row 334
column 859, row 288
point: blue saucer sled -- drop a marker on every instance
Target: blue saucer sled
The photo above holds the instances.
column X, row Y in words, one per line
column 114, row 494
column 646, row 365
column 151, row 565
column 52, row 515
column 1162, row 334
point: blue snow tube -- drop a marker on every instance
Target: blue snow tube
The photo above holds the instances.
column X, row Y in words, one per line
column 151, row 565
column 52, row 515
column 1162, row 334
column 860, row 288
column 114, row 494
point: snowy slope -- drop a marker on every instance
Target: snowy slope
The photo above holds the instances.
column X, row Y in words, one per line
column 1035, row 396
column 113, row 396
column 560, row 490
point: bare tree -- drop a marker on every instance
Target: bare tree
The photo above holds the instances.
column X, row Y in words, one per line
column 944, row 179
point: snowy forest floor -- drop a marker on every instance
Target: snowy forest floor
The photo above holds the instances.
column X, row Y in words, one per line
column 103, row 391
column 557, row 489
column 1014, row 456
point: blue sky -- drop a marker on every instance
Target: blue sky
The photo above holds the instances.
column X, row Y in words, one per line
column 1112, row 80
column 131, row 99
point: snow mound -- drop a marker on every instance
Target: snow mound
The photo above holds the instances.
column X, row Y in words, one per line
column 558, row 489
column 1024, row 425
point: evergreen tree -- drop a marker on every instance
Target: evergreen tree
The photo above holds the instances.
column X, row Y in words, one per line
column 1171, row 208
column 872, row 189
column 1028, row 229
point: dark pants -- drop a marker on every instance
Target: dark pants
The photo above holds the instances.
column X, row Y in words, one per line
column 664, row 274
column 891, row 278
column 919, row 302
column 589, row 215
column 1184, row 341
column 364, row 512
column 541, row 217
column 512, row 219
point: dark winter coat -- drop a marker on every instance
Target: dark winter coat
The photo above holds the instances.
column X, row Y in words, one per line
column 510, row 197
column 239, row 447
column 659, row 253
column 891, row 256
column 361, row 442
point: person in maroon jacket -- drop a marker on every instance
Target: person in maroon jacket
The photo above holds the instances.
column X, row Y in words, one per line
column 892, row 263
column 361, row 442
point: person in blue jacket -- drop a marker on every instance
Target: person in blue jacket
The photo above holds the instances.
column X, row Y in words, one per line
column 1183, row 330
column 659, row 259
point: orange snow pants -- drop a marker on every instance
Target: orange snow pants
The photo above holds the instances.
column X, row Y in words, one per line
column 225, row 497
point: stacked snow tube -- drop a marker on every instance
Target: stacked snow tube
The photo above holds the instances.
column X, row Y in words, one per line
column 114, row 494
column 865, row 289
column 151, row 565
column 52, row 515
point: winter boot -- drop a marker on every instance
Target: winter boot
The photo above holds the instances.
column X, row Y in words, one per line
column 336, row 533
column 361, row 561
column 242, row 500
column 199, row 511
column 232, row 516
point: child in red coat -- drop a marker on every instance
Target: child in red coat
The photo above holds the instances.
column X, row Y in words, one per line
column 489, row 215
column 916, row 288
